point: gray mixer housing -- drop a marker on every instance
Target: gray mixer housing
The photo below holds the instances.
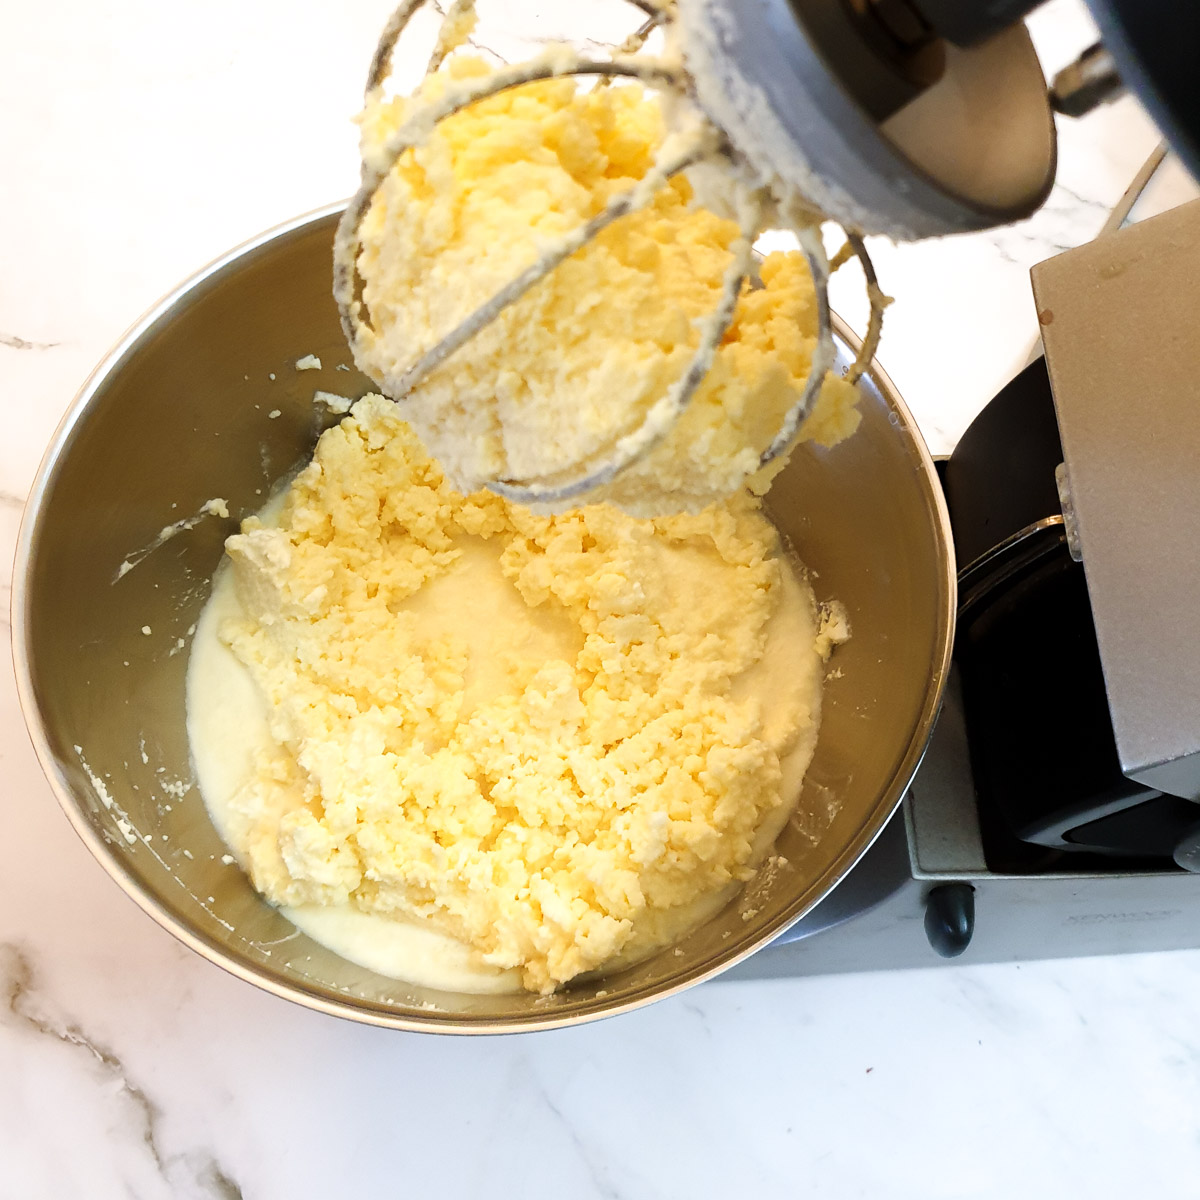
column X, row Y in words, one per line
column 1118, row 319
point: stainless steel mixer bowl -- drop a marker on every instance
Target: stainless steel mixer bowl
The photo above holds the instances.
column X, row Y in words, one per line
column 202, row 400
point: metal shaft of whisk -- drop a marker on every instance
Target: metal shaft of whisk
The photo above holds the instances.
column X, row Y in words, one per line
column 878, row 302
column 824, row 352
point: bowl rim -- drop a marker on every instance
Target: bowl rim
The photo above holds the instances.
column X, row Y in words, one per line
column 819, row 887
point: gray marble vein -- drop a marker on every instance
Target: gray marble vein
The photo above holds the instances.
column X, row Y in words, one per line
column 1067, row 219
column 1084, row 202
column 19, row 1002
column 473, row 42
column 699, row 1014
column 19, row 343
column 488, row 51
column 597, row 1172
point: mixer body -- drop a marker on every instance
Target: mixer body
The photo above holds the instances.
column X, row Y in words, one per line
column 916, row 118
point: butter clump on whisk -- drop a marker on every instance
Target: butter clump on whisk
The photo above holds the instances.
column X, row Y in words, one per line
column 652, row 366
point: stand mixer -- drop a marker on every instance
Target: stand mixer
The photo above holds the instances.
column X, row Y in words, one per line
column 1106, row 724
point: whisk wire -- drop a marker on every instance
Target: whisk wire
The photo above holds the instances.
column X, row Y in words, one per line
column 824, row 353
column 878, row 302
column 397, row 23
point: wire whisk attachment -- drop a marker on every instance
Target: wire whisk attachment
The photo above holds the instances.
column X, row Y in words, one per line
column 698, row 142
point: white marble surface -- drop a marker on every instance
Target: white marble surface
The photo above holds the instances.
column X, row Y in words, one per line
column 140, row 139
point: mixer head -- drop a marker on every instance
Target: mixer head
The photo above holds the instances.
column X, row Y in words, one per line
column 860, row 107
column 915, row 118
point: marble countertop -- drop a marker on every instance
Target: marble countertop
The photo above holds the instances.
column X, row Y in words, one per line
column 142, row 139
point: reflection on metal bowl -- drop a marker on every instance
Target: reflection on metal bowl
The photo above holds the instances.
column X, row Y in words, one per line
column 202, row 400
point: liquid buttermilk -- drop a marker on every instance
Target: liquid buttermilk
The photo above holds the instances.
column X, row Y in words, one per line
column 230, row 737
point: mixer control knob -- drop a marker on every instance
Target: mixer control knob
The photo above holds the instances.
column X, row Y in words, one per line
column 950, row 918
